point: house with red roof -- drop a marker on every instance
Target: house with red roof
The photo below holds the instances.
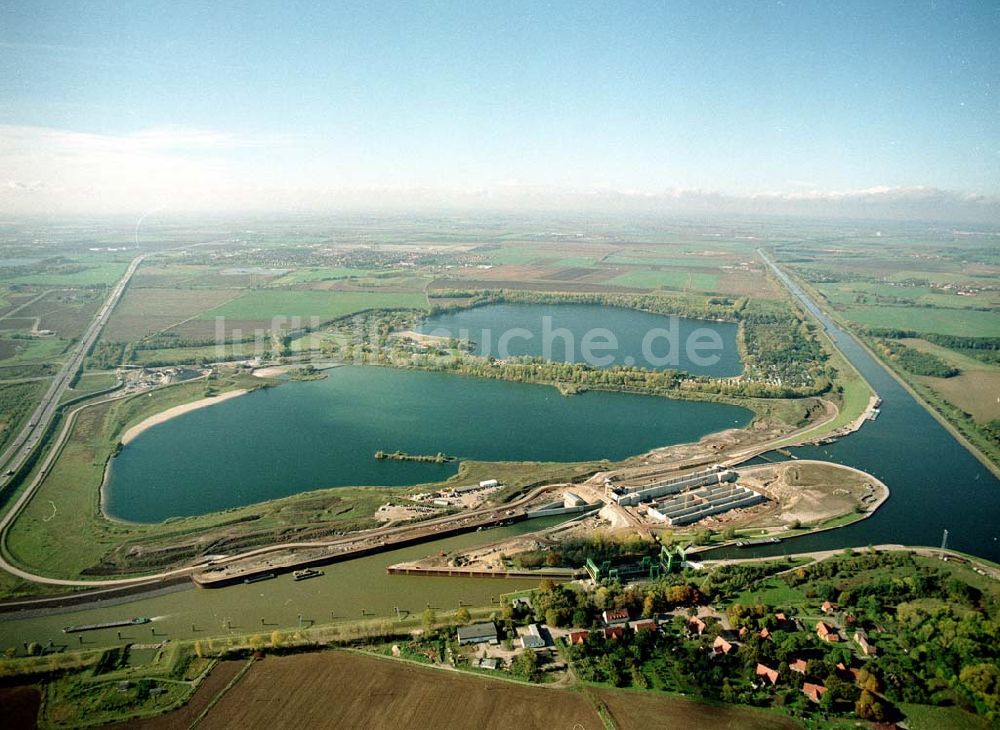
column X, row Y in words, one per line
column 814, row 692
column 614, row 632
column 798, row 665
column 578, row 637
column 861, row 638
column 826, row 632
column 696, row 625
column 615, row 616
column 769, row 675
column 721, row 646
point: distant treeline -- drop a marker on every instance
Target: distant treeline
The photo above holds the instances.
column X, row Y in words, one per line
column 716, row 308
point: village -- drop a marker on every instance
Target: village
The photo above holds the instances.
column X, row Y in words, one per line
column 693, row 635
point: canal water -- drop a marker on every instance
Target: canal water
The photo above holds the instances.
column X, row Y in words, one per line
column 310, row 435
column 935, row 483
column 559, row 333
column 340, row 594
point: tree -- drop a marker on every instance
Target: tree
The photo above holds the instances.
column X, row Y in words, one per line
column 199, row 652
column 429, row 619
column 649, row 606
column 463, row 616
column 276, row 638
column 525, row 665
column 983, row 680
column 869, row 707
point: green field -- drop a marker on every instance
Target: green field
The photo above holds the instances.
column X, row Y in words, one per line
column 773, row 592
column 32, row 350
column 324, row 273
column 633, row 258
column 264, row 304
column 928, row 717
column 962, row 322
column 89, row 383
column 82, row 274
column 866, row 292
column 672, row 279
column 188, row 355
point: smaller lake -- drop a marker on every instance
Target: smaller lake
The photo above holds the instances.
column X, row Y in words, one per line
column 302, row 436
column 598, row 335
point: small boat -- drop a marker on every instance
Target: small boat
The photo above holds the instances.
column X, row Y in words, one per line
column 306, row 573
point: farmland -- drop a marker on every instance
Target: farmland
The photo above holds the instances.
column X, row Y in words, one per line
column 964, row 322
column 264, row 305
column 145, row 311
column 641, row 710
column 79, row 273
column 369, row 692
column 336, row 689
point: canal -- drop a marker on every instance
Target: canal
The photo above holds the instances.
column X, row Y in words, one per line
column 341, row 593
column 936, row 484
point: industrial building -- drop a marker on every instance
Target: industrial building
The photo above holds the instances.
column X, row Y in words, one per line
column 627, row 496
column 697, row 504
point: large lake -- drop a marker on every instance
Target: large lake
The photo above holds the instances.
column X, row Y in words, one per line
column 567, row 332
column 302, row 436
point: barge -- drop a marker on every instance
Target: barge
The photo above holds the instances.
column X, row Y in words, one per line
column 139, row 621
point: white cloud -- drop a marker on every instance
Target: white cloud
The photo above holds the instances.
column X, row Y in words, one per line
column 59, row 171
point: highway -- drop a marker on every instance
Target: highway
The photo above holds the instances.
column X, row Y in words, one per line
column 21, row 449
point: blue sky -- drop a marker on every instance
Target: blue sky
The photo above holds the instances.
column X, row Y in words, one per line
column 743, row 99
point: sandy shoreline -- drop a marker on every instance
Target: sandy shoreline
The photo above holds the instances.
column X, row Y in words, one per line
column 166, row 415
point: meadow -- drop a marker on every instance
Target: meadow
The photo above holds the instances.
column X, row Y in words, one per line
column 77, row 273
column 264, row 304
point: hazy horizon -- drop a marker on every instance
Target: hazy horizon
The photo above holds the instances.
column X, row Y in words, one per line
column 803, row 109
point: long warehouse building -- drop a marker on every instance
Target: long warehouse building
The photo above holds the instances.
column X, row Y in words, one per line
column 688, row 508
column 628, row 496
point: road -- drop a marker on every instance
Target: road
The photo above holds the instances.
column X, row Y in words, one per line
column 21, row 449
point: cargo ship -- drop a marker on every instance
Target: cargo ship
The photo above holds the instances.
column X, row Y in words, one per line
column 139, row 621
column 754, row 543
column 306, row 573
